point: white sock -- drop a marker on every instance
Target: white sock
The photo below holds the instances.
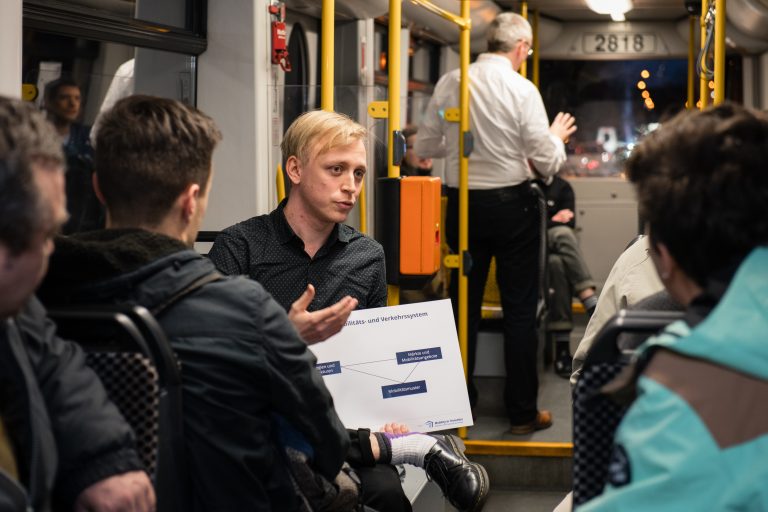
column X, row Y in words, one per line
column 410, row 448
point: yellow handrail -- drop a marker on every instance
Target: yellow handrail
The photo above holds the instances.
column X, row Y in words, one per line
column 326, row 62
column 461, row 21
column 524, row 14
column 463, row 188
column 465, row 25
column 703, row 90
column 280, row 181
column 393, row 108
column 691, row 101
column 719, row 51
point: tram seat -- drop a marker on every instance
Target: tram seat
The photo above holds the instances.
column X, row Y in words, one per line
column 595, row 415
column 128, row 350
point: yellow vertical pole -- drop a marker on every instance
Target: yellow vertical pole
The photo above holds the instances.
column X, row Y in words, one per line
column 703, row 90
column 524, row 14
column 393, row 171
column 719, row 51
column 326, row 60
column 362, row 205
column 536, row 43
column 463, row 187
column 690, row 103
column 280, row 181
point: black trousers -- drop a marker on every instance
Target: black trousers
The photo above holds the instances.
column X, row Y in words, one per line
column 380, row 483
column 503, row 223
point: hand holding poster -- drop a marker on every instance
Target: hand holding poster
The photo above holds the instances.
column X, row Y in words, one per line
column 397, row 364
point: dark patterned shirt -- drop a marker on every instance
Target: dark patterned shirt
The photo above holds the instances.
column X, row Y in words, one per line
column 266, row 249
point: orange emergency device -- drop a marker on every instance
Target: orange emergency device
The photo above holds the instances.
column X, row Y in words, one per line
column 408, row 226
column 419, row 225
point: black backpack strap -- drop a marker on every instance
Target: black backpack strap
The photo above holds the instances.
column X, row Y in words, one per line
column 191, row 287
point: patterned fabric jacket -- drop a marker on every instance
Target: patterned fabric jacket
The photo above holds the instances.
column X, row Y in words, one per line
column 696, row 438
column 241, row 360
column 67, row 434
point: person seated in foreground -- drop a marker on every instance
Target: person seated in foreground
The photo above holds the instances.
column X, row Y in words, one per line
column 631, row 279
column 696, row 437
column 63, row 444
column 249, row 381
column 568, row 272
column 320, row 269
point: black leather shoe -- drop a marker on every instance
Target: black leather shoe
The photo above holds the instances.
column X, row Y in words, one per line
column 563, row 365
column 463, row 482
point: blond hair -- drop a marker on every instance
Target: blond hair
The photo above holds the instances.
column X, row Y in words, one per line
column 316, row 132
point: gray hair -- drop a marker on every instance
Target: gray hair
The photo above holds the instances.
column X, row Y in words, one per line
column 506, row 30
column 25, row 136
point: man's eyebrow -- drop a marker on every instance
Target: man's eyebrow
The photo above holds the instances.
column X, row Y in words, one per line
column 346, row 163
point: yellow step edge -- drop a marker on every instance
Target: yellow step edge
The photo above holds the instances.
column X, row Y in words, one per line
column 518, row 448
column 491, row 312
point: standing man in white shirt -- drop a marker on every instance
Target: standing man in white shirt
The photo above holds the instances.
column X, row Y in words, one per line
column 510, row 129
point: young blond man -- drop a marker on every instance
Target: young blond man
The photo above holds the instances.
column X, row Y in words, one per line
column 320, row 270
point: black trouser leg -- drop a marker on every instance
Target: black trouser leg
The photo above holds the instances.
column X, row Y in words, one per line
column 517, row 259
column 504, row 223
column 380, row 484
column 560, row 316
column 382, row 489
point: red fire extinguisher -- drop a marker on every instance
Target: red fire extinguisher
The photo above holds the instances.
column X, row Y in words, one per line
column 279, row 37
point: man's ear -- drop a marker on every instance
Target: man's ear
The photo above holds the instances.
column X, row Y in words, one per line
column 293, row 169
column 97, row 189
column 665, row 263
column 188, row 200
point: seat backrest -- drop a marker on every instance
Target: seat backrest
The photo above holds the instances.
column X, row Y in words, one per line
column 127, row 348
column 595, row 416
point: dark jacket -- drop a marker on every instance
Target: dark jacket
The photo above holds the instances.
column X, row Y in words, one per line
column 559, row 196
column 241, row 359
column 66, row 434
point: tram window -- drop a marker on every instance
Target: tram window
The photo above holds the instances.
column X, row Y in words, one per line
column 74, row 79
column 615, row 104
column 174, row 13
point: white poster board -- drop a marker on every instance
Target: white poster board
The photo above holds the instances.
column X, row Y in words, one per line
column 397, row 364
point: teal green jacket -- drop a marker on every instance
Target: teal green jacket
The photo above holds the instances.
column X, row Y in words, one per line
column 696, row 437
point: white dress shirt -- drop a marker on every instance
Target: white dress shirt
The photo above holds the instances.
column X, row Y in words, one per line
column 507, row 120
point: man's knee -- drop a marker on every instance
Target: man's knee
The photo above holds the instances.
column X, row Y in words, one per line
column 561, row 236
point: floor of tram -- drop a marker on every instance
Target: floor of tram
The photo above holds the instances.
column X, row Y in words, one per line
column 532, row 484
column 554, row 393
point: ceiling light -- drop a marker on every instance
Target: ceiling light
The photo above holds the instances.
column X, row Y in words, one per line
column 616, row 8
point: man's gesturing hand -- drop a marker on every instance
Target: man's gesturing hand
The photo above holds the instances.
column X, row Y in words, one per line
column 319, row 325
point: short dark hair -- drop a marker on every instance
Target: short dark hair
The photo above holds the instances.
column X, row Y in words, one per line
column 409, row 130
column 148, row 150
column 702, row 187
column 25, row 136
column 52, row 87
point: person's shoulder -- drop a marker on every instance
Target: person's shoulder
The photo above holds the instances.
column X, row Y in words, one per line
column 561, row 182
column 254, row 228
column 634, row 255
column 353, row 236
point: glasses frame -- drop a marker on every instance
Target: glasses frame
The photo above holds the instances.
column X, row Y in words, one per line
column 530, row 46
